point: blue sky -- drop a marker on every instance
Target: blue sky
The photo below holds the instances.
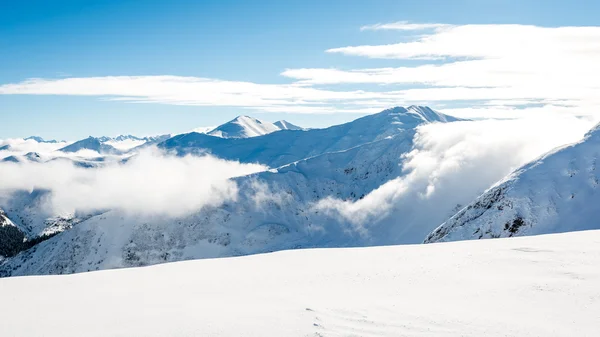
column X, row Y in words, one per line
column 249, row 41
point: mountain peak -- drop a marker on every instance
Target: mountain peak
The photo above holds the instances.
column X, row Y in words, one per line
column 285, row 125
column 90, row 143
column 40, row 139
column 423, row 113
column 243, row 127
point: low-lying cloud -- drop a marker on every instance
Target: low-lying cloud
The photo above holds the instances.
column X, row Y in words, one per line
column 19, row 146
column 450, row 165
column 151, row 182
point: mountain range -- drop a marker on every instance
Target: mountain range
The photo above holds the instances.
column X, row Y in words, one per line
column 278, row 209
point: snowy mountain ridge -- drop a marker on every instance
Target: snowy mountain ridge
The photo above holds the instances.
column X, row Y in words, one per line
column 91, row 143
column 274, row 210
column 287, row 146
column 41, row 140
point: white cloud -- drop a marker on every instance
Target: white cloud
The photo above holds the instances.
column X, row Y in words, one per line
column 489, row 67
column 504, row 64
column 150, row 183
column 404, row 25
column 452, row 164
column 19, row 146
column 180, row 90
column 489, row 42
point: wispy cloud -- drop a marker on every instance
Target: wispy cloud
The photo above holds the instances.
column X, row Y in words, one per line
column 502, row 63
column 488, row 67
column 404, row 25
column 179, row 90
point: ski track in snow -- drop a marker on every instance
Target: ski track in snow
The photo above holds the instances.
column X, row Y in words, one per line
column 532, row 286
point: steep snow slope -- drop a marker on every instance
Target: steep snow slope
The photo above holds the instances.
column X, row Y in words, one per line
column 244, row 127
column 285, row 125
column 284, row 147
column 559, row 192
column 11, row 238
column 534, row 286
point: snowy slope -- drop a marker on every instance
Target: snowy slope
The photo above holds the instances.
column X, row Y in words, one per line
column 535, row 286
column 274, row 210
column 284, row 147
column 244, row 127
column 559, row 192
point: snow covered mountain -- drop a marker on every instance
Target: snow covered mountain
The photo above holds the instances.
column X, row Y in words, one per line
column 113, row 145
column 244, row 127
column 532, row 286
column 281, row 148
column 31, row 157
column 91, row 143
column 559, row 192
column 274, row 210
column 41, row 140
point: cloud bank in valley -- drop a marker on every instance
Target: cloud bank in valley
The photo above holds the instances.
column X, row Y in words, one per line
column 452, row 164
column 151, row 182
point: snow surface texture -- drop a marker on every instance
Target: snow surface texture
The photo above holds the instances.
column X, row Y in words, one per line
column 246, row 127
column 534, row 286
column 559, row 192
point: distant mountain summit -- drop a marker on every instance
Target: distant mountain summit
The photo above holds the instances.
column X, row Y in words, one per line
column 90, row 143
column 244, row 127
column 285, row 125
column 122, row 138
column 279, row 148
column 113, row 145
column 41, row 140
